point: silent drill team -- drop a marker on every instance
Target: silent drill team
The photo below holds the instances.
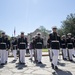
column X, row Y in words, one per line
column 54, row 43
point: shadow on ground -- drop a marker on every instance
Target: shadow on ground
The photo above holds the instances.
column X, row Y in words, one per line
column 20, row 66
column 14, row 61
column 61, row 72
column 61, row 64
column 41, row 65
column 1, row 66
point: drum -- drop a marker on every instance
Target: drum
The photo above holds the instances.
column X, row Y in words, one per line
column 70, row 46
column 55, row 45
column 2, row 45
column 22, row 46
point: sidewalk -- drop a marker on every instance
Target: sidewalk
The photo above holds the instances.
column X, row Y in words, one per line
column 13, row 68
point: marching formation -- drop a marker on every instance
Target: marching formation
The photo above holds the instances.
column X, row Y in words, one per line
column 54, row 43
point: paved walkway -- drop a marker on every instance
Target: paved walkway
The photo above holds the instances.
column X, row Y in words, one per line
column 13, row 68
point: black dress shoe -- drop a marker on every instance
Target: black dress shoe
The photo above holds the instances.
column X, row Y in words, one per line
column 2, row 64
column 52, row 66
column 36, row 61
column 70, row 60
column 39, row 62
column 64, row 59
column 73, row 55
column 30, row 59
column 50, row 59
column 23, row 63
column 56, row 67
column 6, row 62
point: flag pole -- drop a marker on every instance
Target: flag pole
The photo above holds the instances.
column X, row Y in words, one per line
column 14, row 31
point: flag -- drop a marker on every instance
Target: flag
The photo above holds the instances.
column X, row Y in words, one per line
column 14, row 32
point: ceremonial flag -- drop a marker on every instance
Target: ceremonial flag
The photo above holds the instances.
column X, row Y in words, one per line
column 14, row 31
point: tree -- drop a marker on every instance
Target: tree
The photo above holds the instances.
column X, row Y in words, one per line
column 68, row 25
column 60, row 32
column 43, row 29
column 0, row 32
column 45, row 33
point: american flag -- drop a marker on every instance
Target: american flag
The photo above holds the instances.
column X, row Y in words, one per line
column 14, row 31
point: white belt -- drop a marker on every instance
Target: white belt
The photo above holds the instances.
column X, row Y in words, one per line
column 39, row 43
column 22, row 43
column 69, row 43
column 3, row 43
column 55, row 41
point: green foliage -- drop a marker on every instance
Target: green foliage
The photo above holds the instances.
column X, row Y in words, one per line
column 60, row 32
column 0, row 32
column 44, row 30
column 68, row 25
column 44, row 50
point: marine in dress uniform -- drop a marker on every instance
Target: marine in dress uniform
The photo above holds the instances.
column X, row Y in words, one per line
column 39, row 46
column 55, row 46
column 35, row 50
column 3, row 46
column 49, row 49
column 31, row 49
column 22, row 45
column 63, row 46
column 70, row 45
column 14, row 47
column 8, row 47
column 74, row 48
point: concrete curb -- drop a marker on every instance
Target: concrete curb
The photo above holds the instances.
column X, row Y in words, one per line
column 29, row 55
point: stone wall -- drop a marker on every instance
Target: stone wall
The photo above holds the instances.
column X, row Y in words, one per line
column 43, row 35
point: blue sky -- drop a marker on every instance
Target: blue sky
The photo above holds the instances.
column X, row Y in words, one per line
column 27, row 15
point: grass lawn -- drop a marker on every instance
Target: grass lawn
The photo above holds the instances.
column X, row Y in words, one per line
column 45, row 50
